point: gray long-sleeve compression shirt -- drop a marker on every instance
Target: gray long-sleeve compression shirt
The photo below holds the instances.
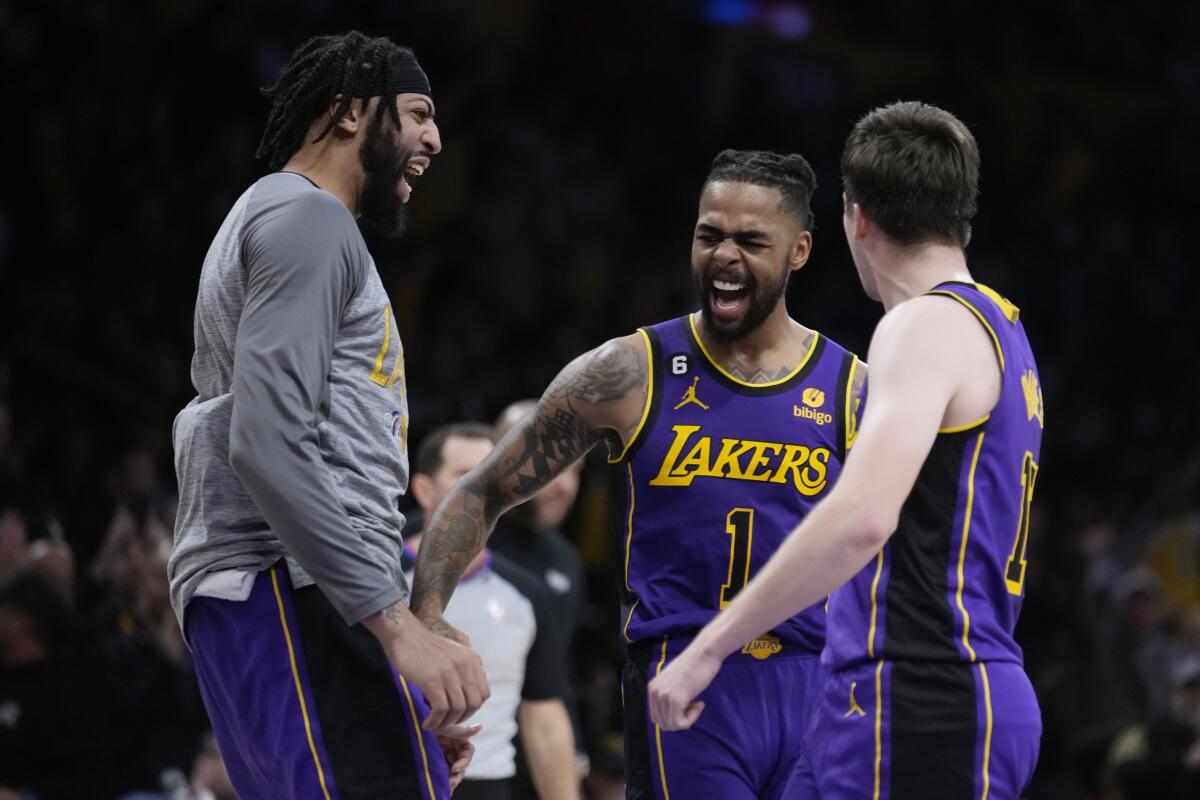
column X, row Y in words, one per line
column 295, row 445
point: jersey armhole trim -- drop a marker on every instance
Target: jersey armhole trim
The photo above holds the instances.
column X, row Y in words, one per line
column 653, row 390
column 968, row 426
column 844, row 385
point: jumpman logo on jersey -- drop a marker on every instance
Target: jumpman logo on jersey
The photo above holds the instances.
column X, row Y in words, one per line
column 855, row 708
column 689, row 396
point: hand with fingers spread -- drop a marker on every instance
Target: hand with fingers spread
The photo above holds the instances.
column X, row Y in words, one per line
column 455, row 741
column 450, row 675
column 673, row 692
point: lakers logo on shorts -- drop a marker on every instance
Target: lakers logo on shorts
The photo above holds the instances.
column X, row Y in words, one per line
column 763, row 647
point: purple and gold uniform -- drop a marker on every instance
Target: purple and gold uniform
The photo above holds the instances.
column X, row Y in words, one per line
column 717, row 475
column 928, row 696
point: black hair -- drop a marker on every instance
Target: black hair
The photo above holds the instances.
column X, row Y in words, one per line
column 914, row 169
column 791, row 174
column 350, row 64
column 431, row 455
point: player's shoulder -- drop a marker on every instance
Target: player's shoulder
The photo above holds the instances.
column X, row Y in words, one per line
column 926, row 316
column 292, row 205
column 621, row 350
column 612, row 371
column 292, row 228
column 929, row 335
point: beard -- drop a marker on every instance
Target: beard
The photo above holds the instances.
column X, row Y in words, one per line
column 380, row 205
column 763, row 299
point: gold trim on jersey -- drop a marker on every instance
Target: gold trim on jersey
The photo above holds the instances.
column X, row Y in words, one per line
column 629, row 619
column 629, row 528
column 968, row 426
column 1006, row 306
column 982, row 320
column 287, row 635
column 962, row 551
column 987, row 737
column 851, row 407
column 662, row 767
column 649, row 399
column 699, row 341
column 878, row 726
column 416, row 721
column 874, row 604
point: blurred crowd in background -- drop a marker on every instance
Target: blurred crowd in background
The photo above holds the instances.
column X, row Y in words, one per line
column 576, row 137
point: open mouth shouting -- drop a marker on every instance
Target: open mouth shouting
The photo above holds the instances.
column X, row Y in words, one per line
column 728, row 297
column 413, row 170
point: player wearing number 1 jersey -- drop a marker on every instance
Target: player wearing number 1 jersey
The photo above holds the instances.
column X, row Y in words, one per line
column 723, row 427
column 711, row 485
column 928, row 525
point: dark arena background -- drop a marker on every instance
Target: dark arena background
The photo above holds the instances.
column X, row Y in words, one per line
column 576, row 137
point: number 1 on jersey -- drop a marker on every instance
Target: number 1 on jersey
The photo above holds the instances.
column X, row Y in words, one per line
column 1015, row 574
column 739, row 525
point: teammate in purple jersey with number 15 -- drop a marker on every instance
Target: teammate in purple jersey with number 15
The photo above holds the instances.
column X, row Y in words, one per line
column 927, row 528
column 723, row 427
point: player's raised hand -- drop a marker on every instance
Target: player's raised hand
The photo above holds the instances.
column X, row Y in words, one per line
column 450, row 675
column 673, row 693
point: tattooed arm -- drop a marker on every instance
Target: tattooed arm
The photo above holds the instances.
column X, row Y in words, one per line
column 597, row 397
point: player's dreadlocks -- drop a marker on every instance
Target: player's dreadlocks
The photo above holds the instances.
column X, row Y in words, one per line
column 352, row 65
column 790, row 174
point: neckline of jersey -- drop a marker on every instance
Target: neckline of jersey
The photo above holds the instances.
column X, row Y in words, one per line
column 769, row 387
column 300, row 175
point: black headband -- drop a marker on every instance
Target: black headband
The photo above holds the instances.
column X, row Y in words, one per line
column 406, row 75
column 403, row 76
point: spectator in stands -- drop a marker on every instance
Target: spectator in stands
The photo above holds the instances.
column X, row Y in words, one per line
column 14, row 539
column 1160, row 760
column 54, row 740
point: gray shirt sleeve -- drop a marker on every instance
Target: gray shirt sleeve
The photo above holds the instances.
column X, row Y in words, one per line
column 303, row 261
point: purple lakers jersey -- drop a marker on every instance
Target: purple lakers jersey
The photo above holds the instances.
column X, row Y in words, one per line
column 948, row 584
column 719, row 472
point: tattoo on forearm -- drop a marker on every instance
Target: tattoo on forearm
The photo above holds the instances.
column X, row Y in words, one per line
column 533, row 453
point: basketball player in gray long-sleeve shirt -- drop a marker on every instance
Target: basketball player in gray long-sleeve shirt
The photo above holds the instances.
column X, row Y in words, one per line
column 285, row 571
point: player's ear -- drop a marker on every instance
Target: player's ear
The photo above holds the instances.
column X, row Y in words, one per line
column 859, row 222
column 354, row 117
column 422, row 489
column 801, row 250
